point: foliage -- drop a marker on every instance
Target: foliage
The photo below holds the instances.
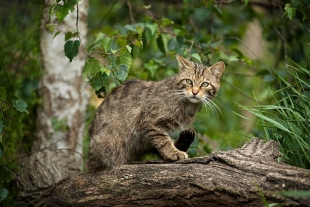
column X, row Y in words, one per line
column 287, row 119
column 131, row 39
column 145, row 46
column 19, row 75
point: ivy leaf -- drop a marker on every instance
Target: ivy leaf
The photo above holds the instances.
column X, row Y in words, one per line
column 2, row 93
column 121, row 72
column 72, row 49
column 20, row 105
column 3, row 193
column 92, row 66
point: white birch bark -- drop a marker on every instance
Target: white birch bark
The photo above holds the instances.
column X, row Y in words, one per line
column 57, row 149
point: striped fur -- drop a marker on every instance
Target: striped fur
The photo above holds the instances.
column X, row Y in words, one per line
column 138, row 116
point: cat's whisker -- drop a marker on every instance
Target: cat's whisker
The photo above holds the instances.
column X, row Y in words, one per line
column 209, row 106
column 211, row 102
column 217, row 102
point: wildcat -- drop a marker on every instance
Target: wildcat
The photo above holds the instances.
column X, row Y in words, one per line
column 138, row 116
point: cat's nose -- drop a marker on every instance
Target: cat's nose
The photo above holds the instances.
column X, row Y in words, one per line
column 194, row 92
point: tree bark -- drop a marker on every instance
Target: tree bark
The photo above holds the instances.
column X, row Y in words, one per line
column 57, row 148
column 242, row 177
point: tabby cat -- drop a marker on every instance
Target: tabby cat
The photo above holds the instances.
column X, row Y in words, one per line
column 138, row 116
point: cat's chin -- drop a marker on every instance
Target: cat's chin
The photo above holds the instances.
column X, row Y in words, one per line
column 194, row 100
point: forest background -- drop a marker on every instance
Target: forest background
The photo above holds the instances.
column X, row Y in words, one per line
column 264, row 90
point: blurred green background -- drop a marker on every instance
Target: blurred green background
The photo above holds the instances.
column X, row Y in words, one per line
column 259, row 42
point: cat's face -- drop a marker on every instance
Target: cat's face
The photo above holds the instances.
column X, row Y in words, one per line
column 199, row 83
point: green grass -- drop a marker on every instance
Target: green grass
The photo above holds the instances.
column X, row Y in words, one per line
column 287, row 121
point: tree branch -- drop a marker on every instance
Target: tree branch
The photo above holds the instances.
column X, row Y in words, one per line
column 240, row 177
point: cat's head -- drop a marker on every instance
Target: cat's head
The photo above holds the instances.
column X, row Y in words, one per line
column 197, row 82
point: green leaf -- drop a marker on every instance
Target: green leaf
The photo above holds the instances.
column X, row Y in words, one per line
column 51, row 27
column 217, row 10
column 268, row 78
column 153, row 27
column 106, row 43
column 92, row 66
column 290, row 11
column 152, row 67
column 139, row 42
column 166, row 22
column 3, row 193
column 147, row 36
column 1, row 126
column 68, row 35
column 61, row 8
column 113, row 61
column 2, row 93
column 20, row 105
column 99, row 37
column 124, row 58
column 196, row 56
column 113, row 51
column 160, row 44
column 128, row 48
column 72, row 49
column 105, row 70
column 173, row 44
column 99, row 81
column 56, row 34
column 232, row 58
column 121, row 72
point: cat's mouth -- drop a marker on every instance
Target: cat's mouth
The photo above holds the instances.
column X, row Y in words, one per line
column 194, row 99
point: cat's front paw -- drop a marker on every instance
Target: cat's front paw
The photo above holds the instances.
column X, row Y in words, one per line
column 175, row 155
column 185, row 139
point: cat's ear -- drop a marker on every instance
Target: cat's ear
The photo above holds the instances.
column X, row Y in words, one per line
column 183, row 63
column 217, row 69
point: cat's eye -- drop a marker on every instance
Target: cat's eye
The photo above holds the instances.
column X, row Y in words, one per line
column 188, row 81
column 205, row 84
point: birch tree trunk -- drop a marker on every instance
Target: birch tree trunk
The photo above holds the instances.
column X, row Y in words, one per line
column 57, row 149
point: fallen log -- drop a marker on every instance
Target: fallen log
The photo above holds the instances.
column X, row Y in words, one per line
column 248, row 176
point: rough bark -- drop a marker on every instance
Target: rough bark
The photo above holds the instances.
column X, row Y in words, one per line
column 241, row 177
column 57, row 148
